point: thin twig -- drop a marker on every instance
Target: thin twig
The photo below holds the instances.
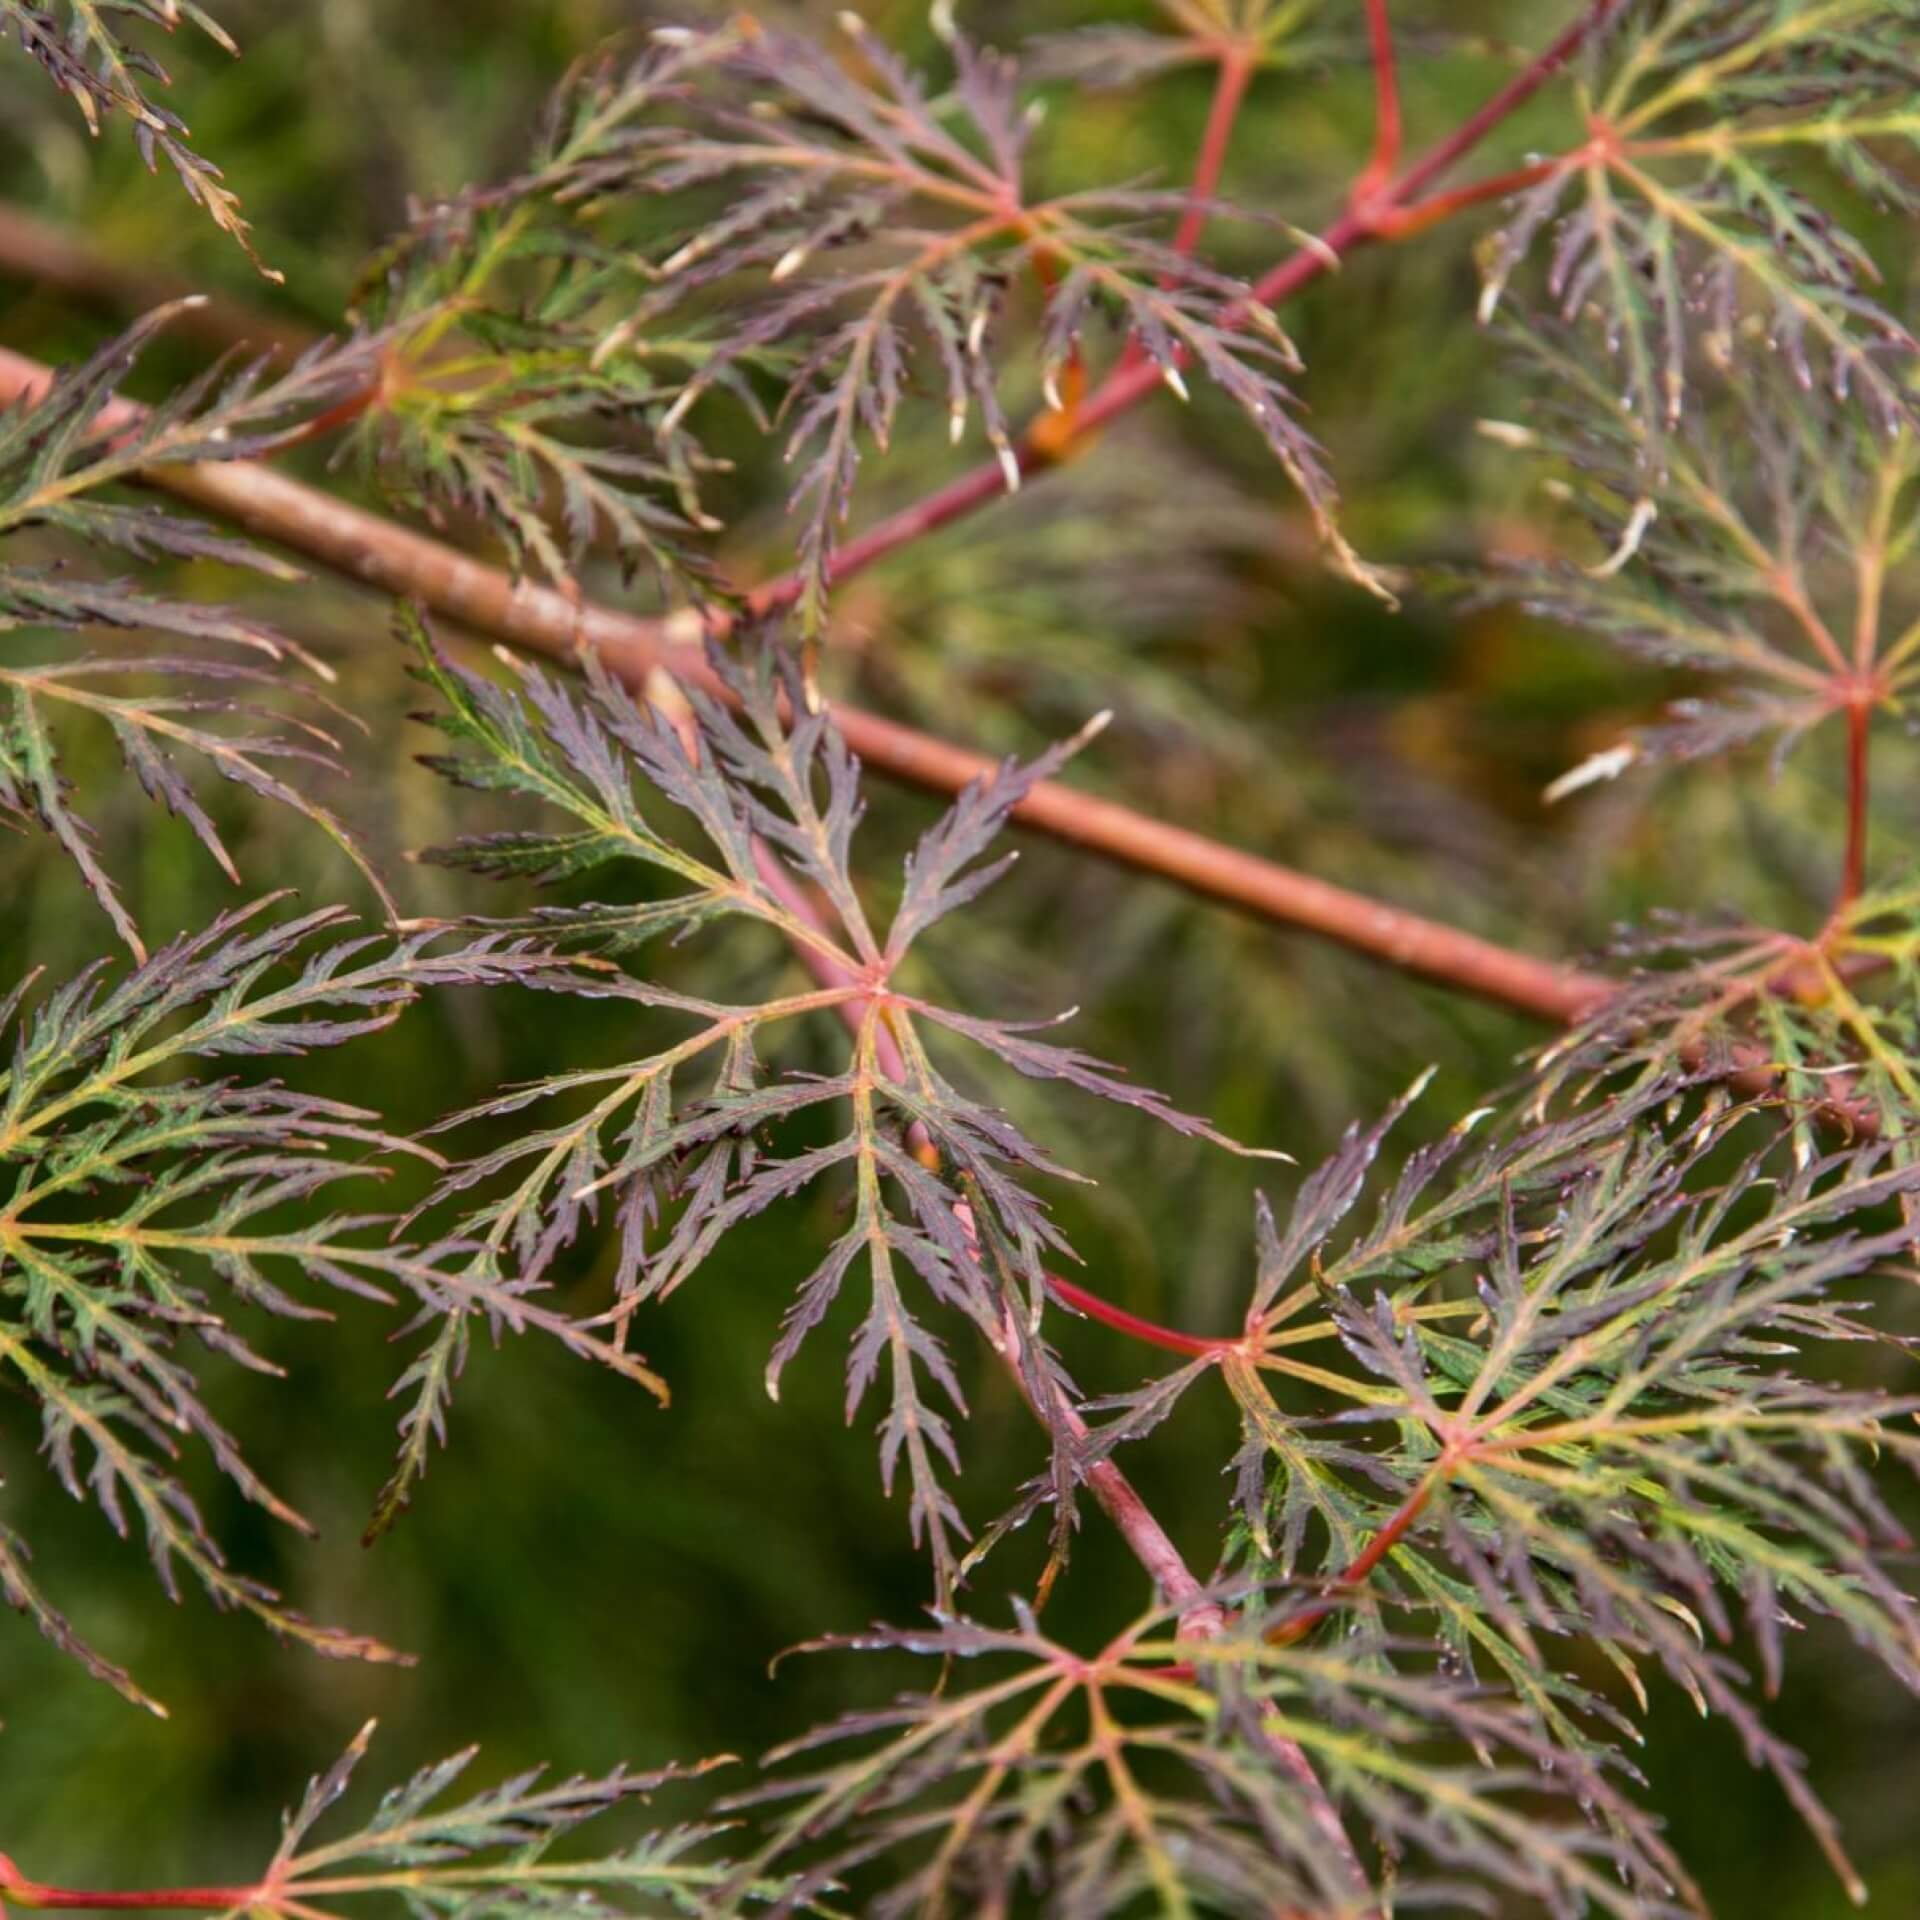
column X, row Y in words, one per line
column 1386, row 108
column 1853, row 871
column 1230, row 89
column 18, row 1891
column 1170, row 1339
column 539, row 619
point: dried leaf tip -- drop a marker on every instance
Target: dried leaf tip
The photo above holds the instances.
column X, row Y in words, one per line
column 1596, row 767
column 1092, row 731
column 1644, row 514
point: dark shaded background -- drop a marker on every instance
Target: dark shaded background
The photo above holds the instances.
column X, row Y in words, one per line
column 588, row 1578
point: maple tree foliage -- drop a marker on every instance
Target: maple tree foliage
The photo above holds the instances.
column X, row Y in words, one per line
column 1536, row 1407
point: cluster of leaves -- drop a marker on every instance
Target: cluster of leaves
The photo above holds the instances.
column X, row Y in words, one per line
column 146, row 1212
column 482, row 325
column 1827, row 1025
column 531, row 350
column 682, row 1141
column 1766, row 542
column 1607, row 1434
column 60, row 457
column 1684, row 221
column 86, row 51
column 1586, row 1441
column 1167, row 1769
column 898, row 223
column 466, row 1855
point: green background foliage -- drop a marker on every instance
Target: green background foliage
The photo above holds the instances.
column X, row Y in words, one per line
column 591, row 1578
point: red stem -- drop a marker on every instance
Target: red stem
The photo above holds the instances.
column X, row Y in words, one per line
column 1402, row 223
column 1544, row 67
column 1095, row 1308
column 1386, row 94
column 1854, row 873
column 1360, row 1568
column 1355, row 1574
column 22, row 1892
column 1236, row 70
column 98, row 1900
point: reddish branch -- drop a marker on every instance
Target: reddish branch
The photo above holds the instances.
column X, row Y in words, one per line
column 1854, row 870
column 1360, row 1569
column 539, row 619
column 1230, row 89
column 1386, row 108
column 17, row 1890
column 1118, row 1318
column 1353, row 1576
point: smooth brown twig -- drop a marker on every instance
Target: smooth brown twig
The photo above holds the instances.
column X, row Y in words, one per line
column 488, row 600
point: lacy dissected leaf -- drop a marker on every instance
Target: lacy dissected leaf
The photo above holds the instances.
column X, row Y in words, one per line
column 56, row 455
column 896, row 226
column 686, row 1142
column 1828, row 1025
column 1687, row 211
column 1583, row 1407
column 488, row 397
column 1177, row 1775
column 1771, row 548
column 59, row 448
column 148, row 1205
column 427, row 1852
column 87, row 52
column 193, row 712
